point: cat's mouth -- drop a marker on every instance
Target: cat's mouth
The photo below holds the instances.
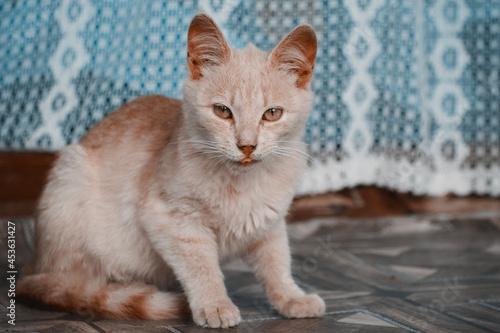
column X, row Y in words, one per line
column 247, row 161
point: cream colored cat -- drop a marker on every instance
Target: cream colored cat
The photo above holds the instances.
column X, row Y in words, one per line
column 162, row 192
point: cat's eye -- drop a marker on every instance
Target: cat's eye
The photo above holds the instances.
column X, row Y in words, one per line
column 272, row 114
column 222, row 111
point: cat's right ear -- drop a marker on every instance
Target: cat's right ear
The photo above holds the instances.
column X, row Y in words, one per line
column 206, row 45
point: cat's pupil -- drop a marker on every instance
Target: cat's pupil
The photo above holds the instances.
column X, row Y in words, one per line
column 222, row 111
column 272, row 114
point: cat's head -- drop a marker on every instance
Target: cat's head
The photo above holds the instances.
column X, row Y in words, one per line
column 243, row 107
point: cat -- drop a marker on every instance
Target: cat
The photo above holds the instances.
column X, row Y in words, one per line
column 137, row 217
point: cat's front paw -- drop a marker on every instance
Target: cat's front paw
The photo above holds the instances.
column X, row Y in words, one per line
column 305, row 306
column 221, row 314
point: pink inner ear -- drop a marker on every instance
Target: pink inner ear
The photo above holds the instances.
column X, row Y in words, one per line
column 206, row 45
column 304, row 77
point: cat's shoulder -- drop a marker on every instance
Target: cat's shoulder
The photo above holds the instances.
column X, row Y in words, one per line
column 151, row 108
column 146, row 114
column 153, row 103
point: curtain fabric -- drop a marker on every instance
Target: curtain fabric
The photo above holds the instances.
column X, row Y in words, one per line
column 407, row 92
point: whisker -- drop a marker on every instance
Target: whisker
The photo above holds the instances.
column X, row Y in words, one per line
column 298, row 152
column 294, row 141
column 295, row 149
column 205, row 143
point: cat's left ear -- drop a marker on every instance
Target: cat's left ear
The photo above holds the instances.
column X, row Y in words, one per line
column 206, row 45
column 296, row 53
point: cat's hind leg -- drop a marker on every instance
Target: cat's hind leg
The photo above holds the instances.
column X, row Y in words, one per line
column 68, row 271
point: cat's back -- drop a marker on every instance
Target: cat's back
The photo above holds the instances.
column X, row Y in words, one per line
column 95, row 184
column 145, row 123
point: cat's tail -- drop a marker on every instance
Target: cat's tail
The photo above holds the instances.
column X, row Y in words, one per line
column 72, row 292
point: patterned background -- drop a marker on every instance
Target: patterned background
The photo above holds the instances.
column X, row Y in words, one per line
column 407, row 92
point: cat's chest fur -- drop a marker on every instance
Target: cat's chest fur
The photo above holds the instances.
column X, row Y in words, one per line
column 238, row 209
column 245, row 210
column 248, row 205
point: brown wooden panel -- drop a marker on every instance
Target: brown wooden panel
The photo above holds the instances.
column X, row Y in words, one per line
column 22, row 176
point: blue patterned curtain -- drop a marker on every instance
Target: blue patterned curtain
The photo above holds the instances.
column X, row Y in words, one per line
column 407, row 92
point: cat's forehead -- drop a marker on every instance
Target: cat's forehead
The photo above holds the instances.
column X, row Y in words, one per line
column 248, row 63
column 249, row 78
column 250, row 52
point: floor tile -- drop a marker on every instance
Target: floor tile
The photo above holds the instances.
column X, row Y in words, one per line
column 365, row 319
column 404, row 274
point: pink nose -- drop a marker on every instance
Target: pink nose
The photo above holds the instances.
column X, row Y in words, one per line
column 247, row 150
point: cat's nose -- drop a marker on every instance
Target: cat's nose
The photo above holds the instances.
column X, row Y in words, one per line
column 247, row 150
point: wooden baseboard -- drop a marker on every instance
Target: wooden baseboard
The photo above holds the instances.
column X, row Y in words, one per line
column 370, row 201
column 22, row 176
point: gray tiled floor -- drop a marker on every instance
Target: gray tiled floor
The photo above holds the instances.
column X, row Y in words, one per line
column 411, row 274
